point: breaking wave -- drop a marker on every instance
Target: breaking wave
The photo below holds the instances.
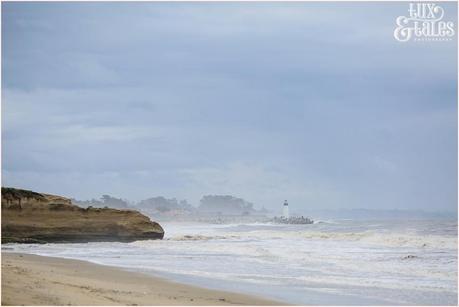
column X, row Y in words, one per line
column 383, row 239
column 199, row 238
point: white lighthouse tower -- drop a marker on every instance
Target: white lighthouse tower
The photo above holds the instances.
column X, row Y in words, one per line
column 285, row 210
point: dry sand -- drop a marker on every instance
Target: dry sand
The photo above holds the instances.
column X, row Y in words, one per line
column 37, row 280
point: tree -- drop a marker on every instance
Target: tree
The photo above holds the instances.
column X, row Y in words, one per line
column 226, row 204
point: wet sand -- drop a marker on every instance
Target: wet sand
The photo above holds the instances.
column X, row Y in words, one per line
column 36, row 280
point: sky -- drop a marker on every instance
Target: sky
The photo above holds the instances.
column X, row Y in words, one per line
column 316, row 103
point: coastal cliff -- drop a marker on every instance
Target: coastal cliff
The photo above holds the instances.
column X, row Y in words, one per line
column 30, row 217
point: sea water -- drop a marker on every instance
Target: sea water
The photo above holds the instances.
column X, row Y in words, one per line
column 345, row 262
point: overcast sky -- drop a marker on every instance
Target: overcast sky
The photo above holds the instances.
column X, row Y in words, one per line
column 316, row 103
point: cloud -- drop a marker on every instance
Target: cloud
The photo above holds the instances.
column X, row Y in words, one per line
column 314, row 102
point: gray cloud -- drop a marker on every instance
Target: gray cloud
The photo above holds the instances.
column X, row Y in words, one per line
column 314, row 102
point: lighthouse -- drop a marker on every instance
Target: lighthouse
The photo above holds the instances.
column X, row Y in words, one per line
column 285, row 210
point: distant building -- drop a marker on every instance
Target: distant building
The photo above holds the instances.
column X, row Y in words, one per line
column 285, row 210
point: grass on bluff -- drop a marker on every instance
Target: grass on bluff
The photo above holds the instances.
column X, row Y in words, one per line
column 12, row 193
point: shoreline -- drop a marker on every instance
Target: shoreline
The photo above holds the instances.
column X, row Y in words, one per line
column 40, row 280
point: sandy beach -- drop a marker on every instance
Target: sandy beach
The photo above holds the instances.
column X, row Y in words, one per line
column 36, row 280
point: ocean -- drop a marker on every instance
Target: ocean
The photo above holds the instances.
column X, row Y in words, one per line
column 334, row 262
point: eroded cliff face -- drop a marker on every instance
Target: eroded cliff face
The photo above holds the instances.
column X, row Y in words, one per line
column 34, row 217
